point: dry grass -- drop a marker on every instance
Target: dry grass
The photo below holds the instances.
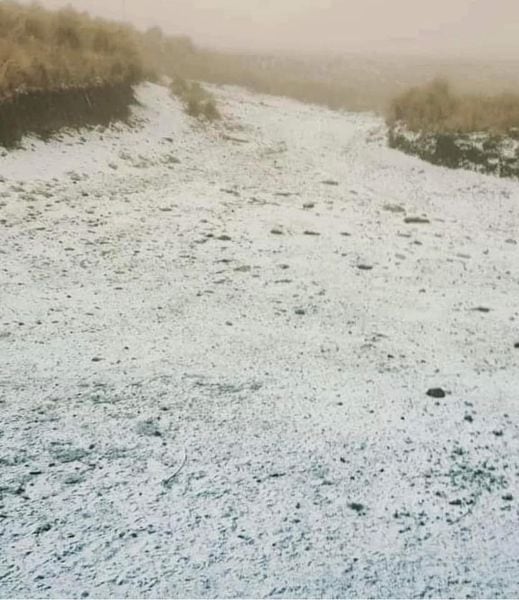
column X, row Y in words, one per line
column 436, row 108
column 198, row 102
column 42, row 50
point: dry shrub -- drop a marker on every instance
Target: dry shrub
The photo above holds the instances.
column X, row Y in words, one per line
column 436, row 108
column 198, row 102
column 43, row 50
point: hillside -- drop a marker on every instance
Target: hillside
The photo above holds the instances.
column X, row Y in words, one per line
column 263, row 357
column 61, row 69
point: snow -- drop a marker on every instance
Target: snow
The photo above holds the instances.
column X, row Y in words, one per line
column 188, row 416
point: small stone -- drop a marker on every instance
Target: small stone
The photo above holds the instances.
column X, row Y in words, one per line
column 330, row 182
column 300, row 311
column 308, row 205
column 436, row 393
column 309, row 232
column 43, row 529
column 365, row 267
column 224, row 238
column 73, row 480
column 357, row 507
column 508, row 497
column 276, row 232
column 416, row 221
column 516, row 345
column 469, row 418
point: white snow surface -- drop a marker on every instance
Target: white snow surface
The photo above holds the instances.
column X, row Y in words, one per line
column 189, row 416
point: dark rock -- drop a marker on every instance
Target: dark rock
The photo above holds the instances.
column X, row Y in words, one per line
column 276, row 232
column 73, row 480
column 309, row 232
column 357, row 507
column 43, row 529
column 330, row 182
column 365, row 267
column 481, row 309
column 416, row 221
column 308, row 205
column 508, row 497
column 224, row 238
column 436, row 393
column 300, row 311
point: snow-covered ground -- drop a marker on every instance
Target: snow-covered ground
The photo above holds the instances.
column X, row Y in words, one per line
column 215, row 350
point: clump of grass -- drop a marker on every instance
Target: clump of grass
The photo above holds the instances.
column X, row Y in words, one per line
column 435, row 108
column 42, row 50
column 197, row 101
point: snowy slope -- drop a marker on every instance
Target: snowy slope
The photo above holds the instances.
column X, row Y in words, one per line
column 215, row 348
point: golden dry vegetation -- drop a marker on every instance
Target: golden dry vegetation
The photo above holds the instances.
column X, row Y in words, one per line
column 43, row 50
column 436, row 108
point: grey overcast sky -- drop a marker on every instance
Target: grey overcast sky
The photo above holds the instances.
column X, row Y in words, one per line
column 439, row 26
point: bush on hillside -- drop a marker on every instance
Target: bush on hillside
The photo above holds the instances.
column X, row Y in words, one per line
column 43, row 50
column 435, row 108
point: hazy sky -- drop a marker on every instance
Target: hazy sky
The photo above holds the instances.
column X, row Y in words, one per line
column 331, row 25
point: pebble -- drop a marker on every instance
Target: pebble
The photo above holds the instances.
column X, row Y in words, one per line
column 436, row 393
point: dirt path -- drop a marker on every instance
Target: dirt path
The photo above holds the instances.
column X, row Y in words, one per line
column 215, row 351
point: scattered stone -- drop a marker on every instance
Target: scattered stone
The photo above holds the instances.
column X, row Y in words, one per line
column 330, row 182
column 416, row 221
column 345, row 234
column 508, row 497
column 276, row 232
column 456, row 502
column 436, row 393
column 300, row 311
column 310, row 232
column 43, row 529
column 357, row 507
column 224, row 238
column 394, row 208
column 363, row 267
column 73, row 480
column 308, row 205
column 469, row 418
column 516, row 345
column 243, row 269
column 231, row 138
column 97, row 359
column 481, row 309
